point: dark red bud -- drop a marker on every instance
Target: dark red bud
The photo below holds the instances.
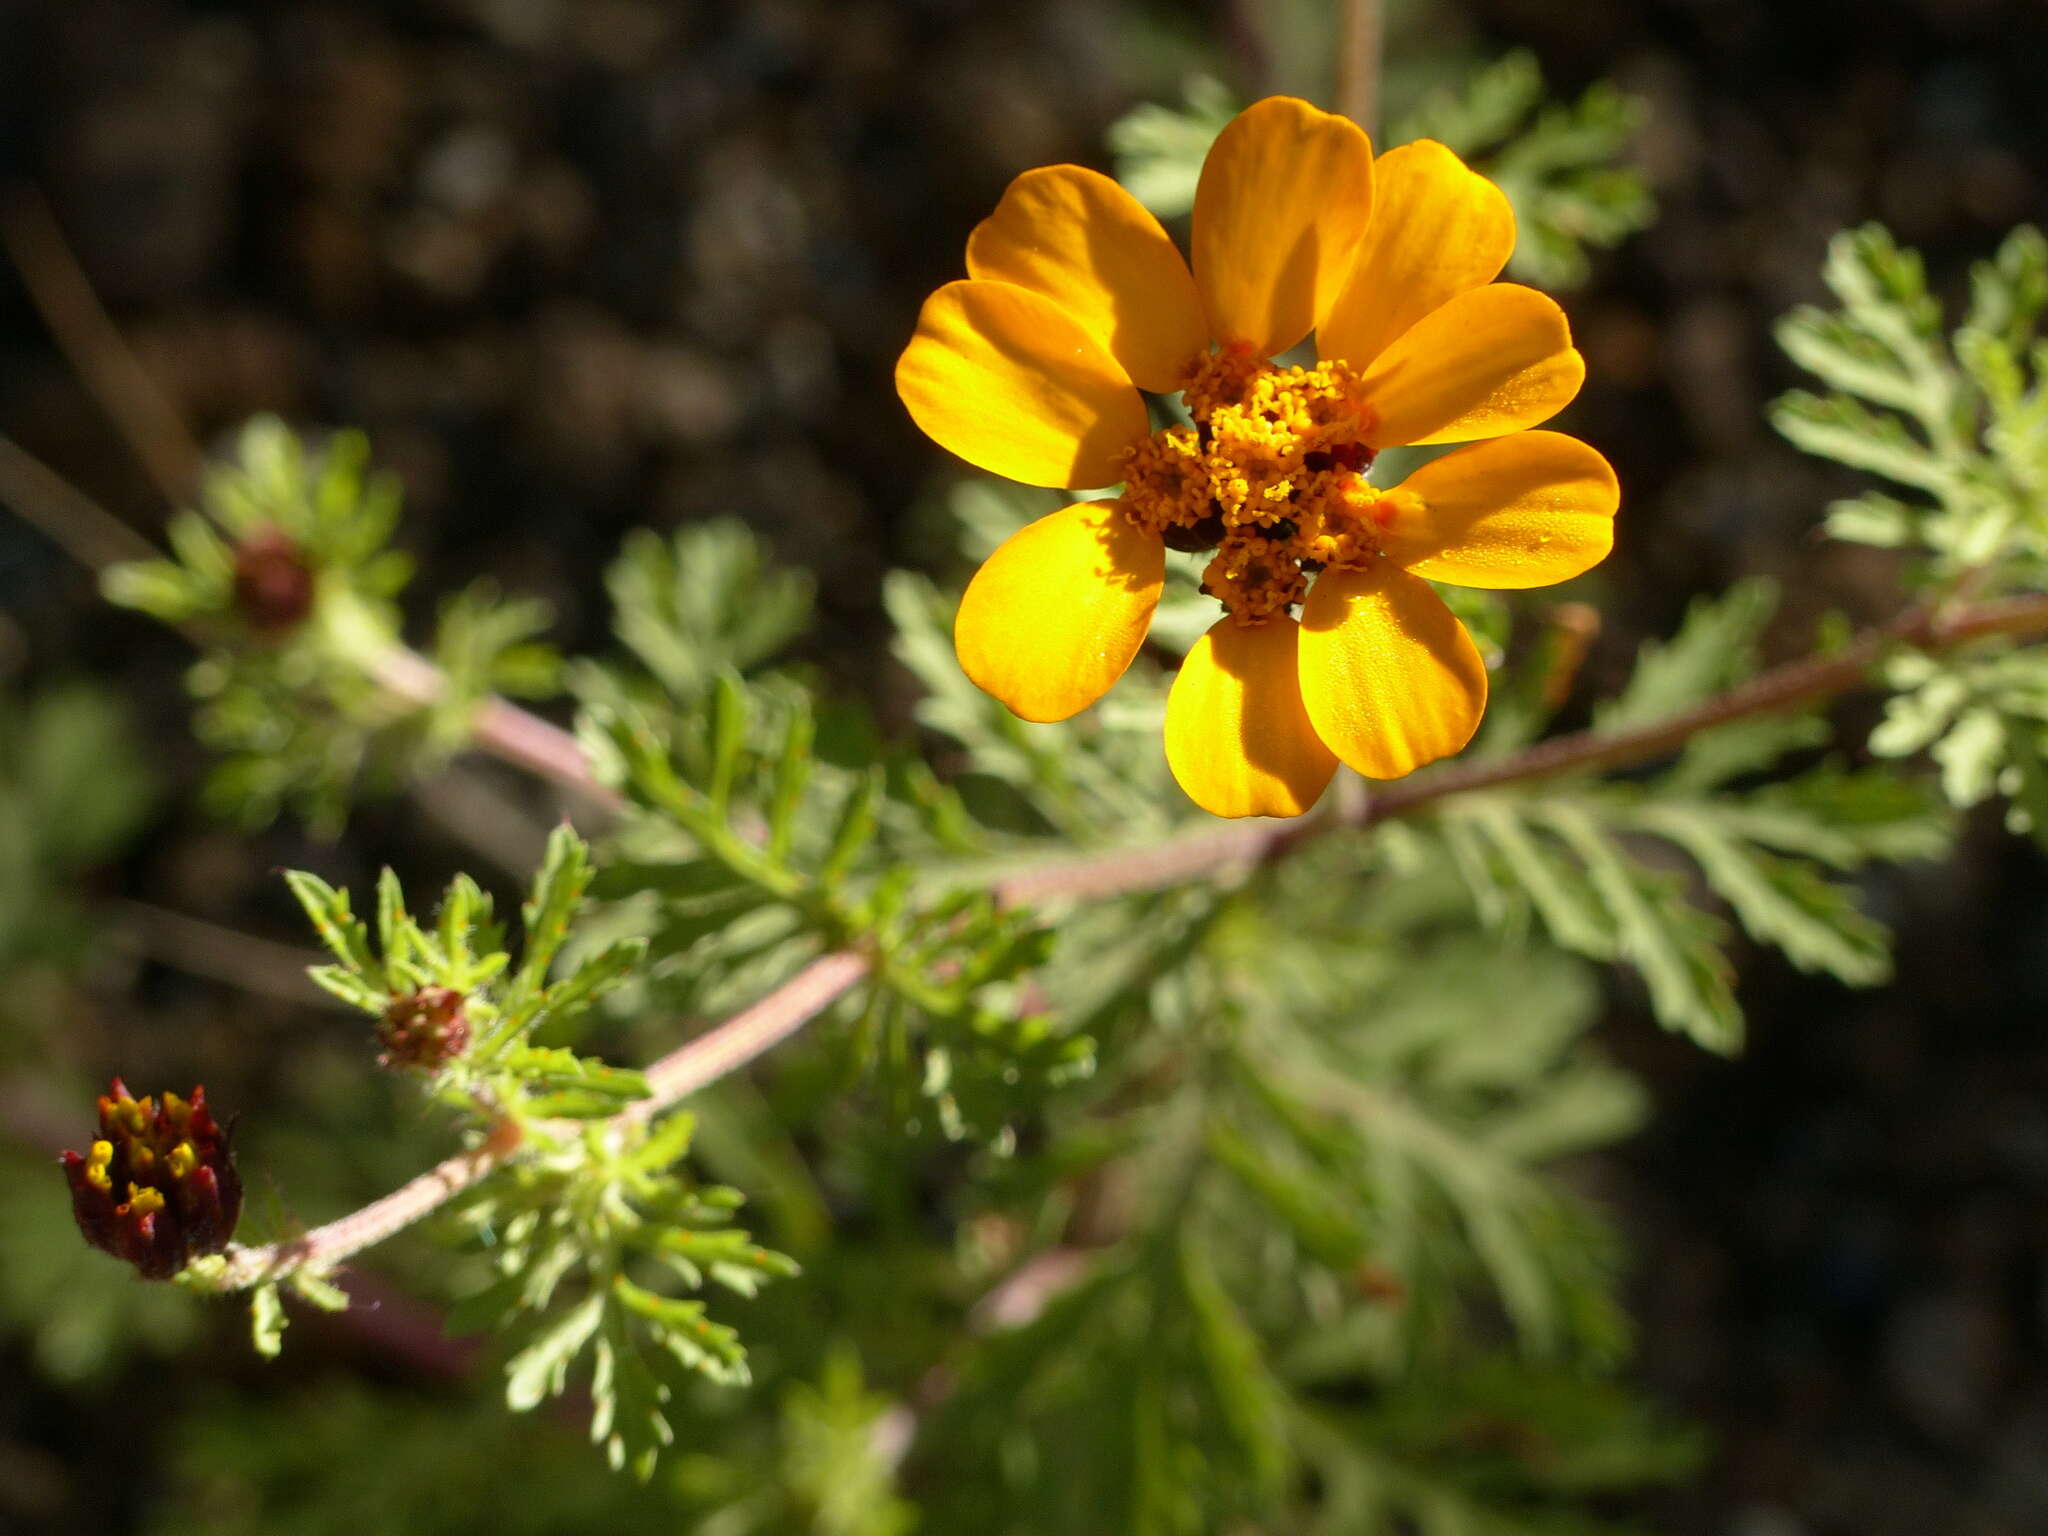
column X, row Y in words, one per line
column 158, row 1187
column 273, row 582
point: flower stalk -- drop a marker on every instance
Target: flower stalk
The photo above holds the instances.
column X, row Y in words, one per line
column 784, row 1012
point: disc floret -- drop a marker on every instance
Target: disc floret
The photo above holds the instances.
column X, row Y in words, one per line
column 1270, row 475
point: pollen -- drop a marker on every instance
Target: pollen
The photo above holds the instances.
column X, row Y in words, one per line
column 1269, row 475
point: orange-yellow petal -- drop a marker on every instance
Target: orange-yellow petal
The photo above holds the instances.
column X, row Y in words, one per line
column 1520, row 511
column 1389, row 677
column 1489, row 362
column 1438, row 230
column 1011, row 382
column 1055, row 615
column 1237, row 737
column 1285, row 196
column 1093, row 249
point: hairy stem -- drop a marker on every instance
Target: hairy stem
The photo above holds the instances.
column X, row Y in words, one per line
column 785, row 1011
column 500, row 728
column 1792, row 686
column 683, row 1071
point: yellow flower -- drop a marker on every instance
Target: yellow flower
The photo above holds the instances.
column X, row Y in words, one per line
column 1076, row 301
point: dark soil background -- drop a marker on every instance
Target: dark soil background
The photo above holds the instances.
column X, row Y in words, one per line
column 585, row 265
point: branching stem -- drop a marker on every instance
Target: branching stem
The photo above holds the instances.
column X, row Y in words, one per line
column 682, row 1072
column 98, row 539
column 499, row 727
column 1792, row 686
column 516, row 736
column 785, row 1011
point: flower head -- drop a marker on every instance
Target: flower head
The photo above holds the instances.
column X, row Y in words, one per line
column 274, row 583
column 1076, row 301
column 425, row 1029
column 159, row 1186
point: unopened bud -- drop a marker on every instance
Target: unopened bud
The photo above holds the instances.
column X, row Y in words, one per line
column 159, row 1187
column 273, row 582
column 423, row 1029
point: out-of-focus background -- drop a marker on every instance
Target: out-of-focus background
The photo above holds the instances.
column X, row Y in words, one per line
column 580, row 266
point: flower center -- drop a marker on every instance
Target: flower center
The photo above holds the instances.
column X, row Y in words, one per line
column 1270, row 476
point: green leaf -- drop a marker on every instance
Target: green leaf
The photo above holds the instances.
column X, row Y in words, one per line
column 1971, row 753
column 162, row 590
column 627, row 1414
column 557, row 893
column 391, row 919
column 1714, row 647
column 793, row 768
column 267, row 1321
column 1876, row 519
column 705, row 602
column 593, row 977
column 1780, row 901
column 2008, row 293
column 350, row 987
column 1327, row 1231
column 1568, row 906
column 337, row 926
column 1159, row 150
column 1836, row 427
column 1234, row 1359
column 1747, row 745
column 318, row 1291
column 541, row 1369
column 728, row 739
column 1671, row 943
column 559, row 1083
column 855, row 828
column 683, row 1330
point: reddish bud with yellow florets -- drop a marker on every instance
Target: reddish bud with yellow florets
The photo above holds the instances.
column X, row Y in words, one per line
column 159, row 1187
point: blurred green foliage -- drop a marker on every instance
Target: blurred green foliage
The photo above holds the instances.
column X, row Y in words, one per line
column 1561, row 164
column 1252, row 1201
column 286, row 577
column 1961, row 422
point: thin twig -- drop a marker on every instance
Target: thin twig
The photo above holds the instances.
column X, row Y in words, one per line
column 1359, row 35
column 683, row 1071
column 1793, row 686
column 64, row 296
column 70, row 519
column 785, row 1011
column 96, row 538
column 65, row 299
column 200, row 948
column 505, row 731
column 93, row 536
column 499, row 727
column 327, row 1246
column 747, row 1034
